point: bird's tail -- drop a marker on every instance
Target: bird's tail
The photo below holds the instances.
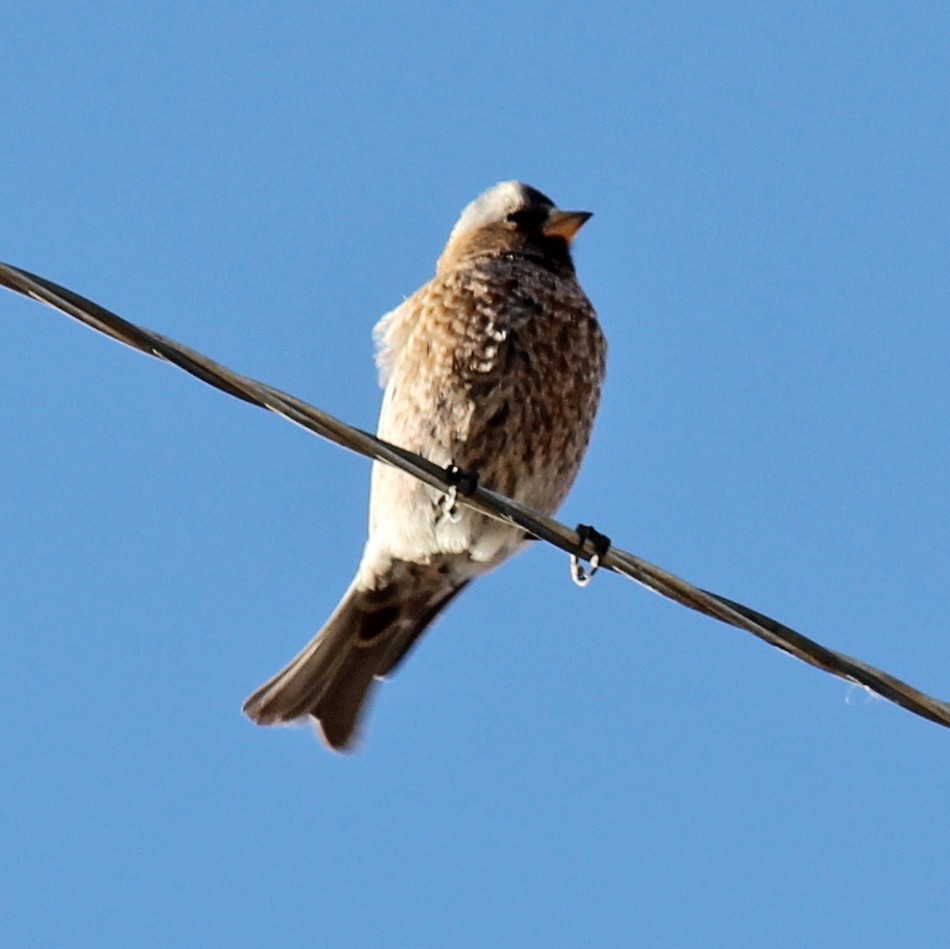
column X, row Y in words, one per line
column 367, row 636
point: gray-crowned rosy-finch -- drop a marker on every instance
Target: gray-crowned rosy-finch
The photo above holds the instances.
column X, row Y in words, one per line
column 495, row 366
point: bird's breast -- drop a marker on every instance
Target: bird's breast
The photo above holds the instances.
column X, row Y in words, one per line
column 499, row 371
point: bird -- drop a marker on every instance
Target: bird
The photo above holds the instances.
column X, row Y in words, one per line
column 494, row 368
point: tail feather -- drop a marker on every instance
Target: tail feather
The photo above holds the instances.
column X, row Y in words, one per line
column 400, row 646
column 332, row 677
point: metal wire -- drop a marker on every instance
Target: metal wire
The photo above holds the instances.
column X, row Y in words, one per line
column 479, row 498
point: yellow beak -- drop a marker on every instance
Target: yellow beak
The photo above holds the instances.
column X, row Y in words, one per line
column 565, row 223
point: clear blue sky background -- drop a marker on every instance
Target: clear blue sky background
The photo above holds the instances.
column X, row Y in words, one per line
column 554, row 767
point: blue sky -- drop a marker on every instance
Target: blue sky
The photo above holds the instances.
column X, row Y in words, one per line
column 557, row 767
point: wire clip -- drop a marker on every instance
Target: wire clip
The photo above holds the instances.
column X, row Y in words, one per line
column 460, row 481
column 600, row 543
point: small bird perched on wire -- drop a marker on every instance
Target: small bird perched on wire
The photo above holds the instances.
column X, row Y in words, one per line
column 494, row 366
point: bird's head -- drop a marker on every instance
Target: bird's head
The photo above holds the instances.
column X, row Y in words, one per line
column 513, row 217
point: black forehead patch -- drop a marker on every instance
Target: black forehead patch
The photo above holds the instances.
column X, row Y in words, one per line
column 534, row 196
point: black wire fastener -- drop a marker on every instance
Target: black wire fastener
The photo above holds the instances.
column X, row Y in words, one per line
column 461, row 481
column 600, row 543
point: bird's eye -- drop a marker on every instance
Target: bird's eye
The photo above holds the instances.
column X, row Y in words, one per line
column 526, row 217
